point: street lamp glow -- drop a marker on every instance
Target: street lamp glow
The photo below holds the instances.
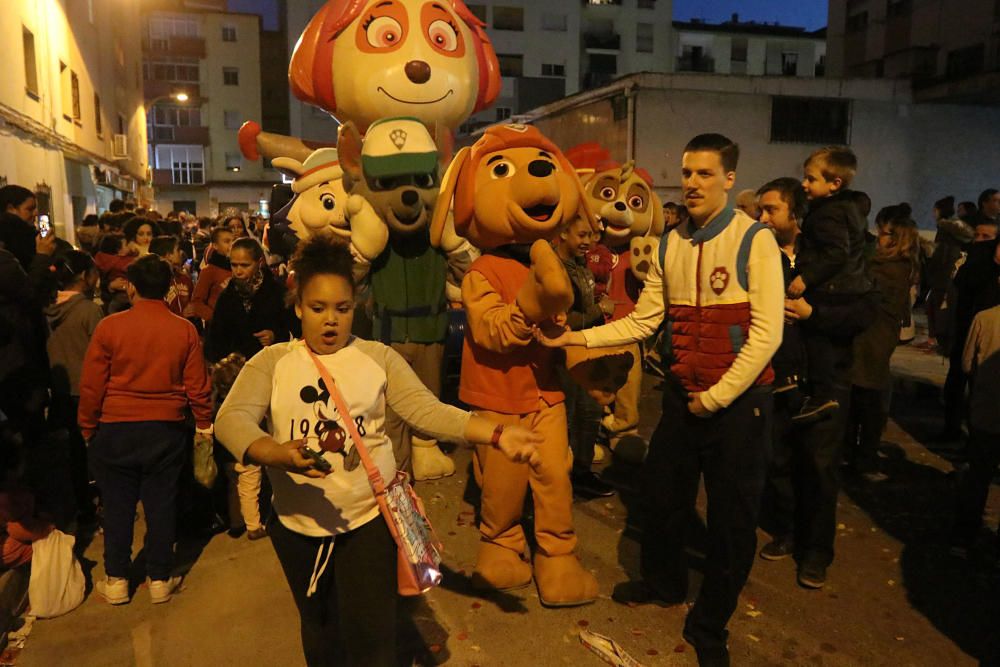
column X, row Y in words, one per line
column 181, row 97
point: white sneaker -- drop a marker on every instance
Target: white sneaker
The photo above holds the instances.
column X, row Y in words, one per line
column 160, row 590
column 114, row 590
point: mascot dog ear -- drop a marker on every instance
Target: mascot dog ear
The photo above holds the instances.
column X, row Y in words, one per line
column 349, row 152
column 447, row 194
column 583, row 208
column 658, row 223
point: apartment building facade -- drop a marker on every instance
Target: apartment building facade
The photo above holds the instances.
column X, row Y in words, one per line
column 202, row 77
column 749, row 48
column 72, row 123
column 950, row 50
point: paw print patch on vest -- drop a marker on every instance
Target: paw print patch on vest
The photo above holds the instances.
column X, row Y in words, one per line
column 719, row 280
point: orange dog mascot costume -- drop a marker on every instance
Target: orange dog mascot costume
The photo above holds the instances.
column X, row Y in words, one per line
column 512, row 191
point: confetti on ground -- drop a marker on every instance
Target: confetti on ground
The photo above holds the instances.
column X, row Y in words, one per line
column 652, row 651
column 899, row 639
column 462, row 636
column 753, row 638
column 477, row 605
column 754, row 613
column 891, row 582
column 841, row 526
column 583, row 624
column 680, row 648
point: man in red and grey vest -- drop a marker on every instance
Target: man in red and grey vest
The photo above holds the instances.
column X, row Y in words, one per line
column 718, row 289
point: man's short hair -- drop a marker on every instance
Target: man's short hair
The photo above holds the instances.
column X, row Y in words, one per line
column 218, row 231
column 670, row 206
column 151, row 276
column 116, row 206
column 835, row 162
column 729, row 152
column 161, row 246
column 986, row 194
column 791, row 193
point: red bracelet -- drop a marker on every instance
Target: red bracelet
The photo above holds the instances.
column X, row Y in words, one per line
column 495, row 438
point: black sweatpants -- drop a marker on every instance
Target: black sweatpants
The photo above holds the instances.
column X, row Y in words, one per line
column 866, row 421
column 351, row 617
column 135, row 461
column 731, row 449
column 984, row 457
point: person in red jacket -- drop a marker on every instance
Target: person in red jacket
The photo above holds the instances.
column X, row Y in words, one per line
column 144, row 367
column 214, row 276
column 181, row 286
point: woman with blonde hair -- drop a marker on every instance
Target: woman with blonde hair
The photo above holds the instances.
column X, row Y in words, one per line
column 894, row 268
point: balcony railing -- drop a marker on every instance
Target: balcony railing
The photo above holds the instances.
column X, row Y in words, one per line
column 602, row 41
column 690, row 64
column 166, row 134
column 185, row 47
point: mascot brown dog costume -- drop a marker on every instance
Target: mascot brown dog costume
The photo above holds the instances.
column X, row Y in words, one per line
column 512, row 191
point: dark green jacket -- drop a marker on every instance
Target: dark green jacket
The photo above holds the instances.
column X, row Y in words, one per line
column 408, row 286
column 584, row 312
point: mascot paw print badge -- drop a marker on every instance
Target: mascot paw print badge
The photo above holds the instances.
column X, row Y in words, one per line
column 719, row 280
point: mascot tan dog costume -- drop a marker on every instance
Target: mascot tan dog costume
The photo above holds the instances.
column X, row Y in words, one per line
column 622, row 197
column 513, row 190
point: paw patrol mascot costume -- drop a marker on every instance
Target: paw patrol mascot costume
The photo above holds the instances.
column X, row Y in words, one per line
column 513, row 191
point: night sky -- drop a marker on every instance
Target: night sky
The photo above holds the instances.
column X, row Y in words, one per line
column 809, row 14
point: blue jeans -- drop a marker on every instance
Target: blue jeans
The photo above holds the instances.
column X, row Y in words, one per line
column 134, row 461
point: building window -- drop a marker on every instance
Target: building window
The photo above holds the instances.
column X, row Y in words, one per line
column 228, row 33
column 551, row 69
column 186, row 163
column 644, row 37
column 511, row 64
column 234, row 161
column 857, row 22
column 647, row 4
column 232, row 120
column 966, row 61
column 503, row 113
column 810, row 120
column 508, row 18
column 121, row 124
column 231, row 76
column 98, row 122
column 479, row 11
column 74, row 84
column 66, row 91
column 186, row 206
column 554, row 22
column 900, row 7
column 694, row 59
column 164, row 27
column 30, row 64
column 179, row 70
column 738, row 54
column 789, row 64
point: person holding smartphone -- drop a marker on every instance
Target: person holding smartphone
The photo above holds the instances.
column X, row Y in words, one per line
column 335, row 549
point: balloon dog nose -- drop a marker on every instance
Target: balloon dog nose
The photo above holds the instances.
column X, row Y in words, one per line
column 410, row 197
column 417, row 71
column 619, row 206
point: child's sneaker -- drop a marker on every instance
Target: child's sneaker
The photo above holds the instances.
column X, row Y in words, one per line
column 160, row 590
column 114, row 590
column 815, row 409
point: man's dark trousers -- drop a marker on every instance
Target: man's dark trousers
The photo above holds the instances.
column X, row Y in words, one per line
column 804, row 480
column 134, row 461
column 731, row 449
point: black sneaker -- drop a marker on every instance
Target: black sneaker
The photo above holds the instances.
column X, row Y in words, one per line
column 812, row 575
column 815, row 409
column 590, row 484
column 778, row 549
column 638, row 592
column 714, row 656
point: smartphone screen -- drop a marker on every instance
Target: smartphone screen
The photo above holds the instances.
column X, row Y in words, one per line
column 43, row 225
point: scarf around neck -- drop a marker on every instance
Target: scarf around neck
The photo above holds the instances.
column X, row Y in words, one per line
column 248, row 288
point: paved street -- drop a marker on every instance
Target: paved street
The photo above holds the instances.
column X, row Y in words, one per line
column 894, row 597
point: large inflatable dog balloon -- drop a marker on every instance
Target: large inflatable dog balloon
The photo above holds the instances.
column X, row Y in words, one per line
column 363, row 60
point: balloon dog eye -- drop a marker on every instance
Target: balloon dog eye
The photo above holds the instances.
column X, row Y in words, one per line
column 608, row 193
column 329, row 202
column 503, row 170
column 424, row 180
column 635, row 201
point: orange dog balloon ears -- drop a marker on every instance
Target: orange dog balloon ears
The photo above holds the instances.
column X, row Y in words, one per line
column 362, row 60
column 485, row 221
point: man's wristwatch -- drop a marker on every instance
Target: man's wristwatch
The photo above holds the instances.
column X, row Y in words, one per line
column 495, row 438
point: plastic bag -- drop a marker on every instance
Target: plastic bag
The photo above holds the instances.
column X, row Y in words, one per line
column 57, row 585
column 205, row 470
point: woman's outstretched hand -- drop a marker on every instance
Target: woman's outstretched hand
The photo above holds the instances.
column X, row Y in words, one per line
column 553, row 335
column 520, row 445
